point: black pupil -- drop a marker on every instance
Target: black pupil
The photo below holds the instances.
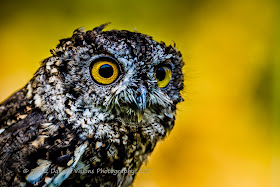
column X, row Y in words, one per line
column 160, row 74
column 106, row 70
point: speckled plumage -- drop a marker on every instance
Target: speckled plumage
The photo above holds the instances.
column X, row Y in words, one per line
column 62, row 122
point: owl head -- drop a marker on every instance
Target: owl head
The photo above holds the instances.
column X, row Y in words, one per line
column 101, row 76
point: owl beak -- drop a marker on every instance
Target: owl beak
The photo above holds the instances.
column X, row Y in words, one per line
column 141, row 100
column 139, row 116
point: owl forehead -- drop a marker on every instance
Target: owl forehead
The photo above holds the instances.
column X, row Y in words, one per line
column 133, row 50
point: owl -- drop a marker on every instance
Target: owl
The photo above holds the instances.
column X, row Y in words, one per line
column 93, row 112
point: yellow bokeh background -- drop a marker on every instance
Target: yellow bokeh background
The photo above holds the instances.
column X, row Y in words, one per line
column 226, row 132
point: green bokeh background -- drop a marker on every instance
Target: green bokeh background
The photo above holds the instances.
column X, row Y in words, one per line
column 227, row 130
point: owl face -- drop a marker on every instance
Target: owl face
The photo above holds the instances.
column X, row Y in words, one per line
column 112, row 75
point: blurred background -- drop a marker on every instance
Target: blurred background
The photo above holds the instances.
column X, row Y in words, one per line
column 227, row 131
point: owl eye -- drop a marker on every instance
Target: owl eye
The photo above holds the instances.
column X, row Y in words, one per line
column 105, row 71
column 163, row 76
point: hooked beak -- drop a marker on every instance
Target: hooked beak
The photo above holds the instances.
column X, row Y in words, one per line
column 141, row 100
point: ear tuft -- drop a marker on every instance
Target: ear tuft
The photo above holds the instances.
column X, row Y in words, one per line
column 101, row 27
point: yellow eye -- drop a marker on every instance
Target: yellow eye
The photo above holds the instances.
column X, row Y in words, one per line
column 163, row 76
column 105, row 71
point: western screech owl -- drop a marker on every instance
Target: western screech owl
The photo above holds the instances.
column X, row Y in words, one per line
column 93, row 111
